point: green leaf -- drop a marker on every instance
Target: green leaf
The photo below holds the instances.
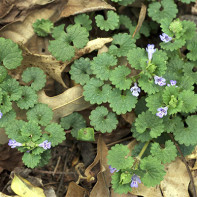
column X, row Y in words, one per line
column 148, row 121
column 41, row 114
column 142, row 137
column 154, row 102
column 177, row 44
column 74, row 121
column 187, row 1
column 45, row 157
column 31, row 130
column 30, row 160
column 188, row 135
column 111, row 23
column 159, row 60
column 55, row 134
column 137, row 57
column 14, row 130
column 10, row 54
column 189, row 100
column 117, row 186
column 5, row 104
column 118, row 157
column 172, row 99
column 77, row 35
column 3, row 74
column 101, row 65
column 36, row 76
column 86, row 134
column 13, row 89
column 103, row 120
column 43, row 27
column 126, row 2
column 7, row 119
column 119, row 77
column 164, row 9
column 187, row 150
column 189, row 73
column 58, row 31
column 148, row 85
column 189, row 30
column 60, row 49
column 121, row 44
column 96, row 91
column 28, row 98
column 153, row 171
column 80, row 71
column 84, row 21
column 122, row 102
column 165, row 155
column 192, row 47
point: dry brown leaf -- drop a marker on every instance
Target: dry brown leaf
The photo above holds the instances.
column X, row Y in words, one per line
column 3, row 137
column 4, row 195
column 75, row 190
column 23, row 31
column 129, row 117
column 66, row 103
column 113, row 194
column 141, row 19
column 176, row 181
column 80, row 6
column 53, row 67
column 101, row 188
column 17, row 10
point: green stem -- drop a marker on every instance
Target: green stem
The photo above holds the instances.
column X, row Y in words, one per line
column 143, row 150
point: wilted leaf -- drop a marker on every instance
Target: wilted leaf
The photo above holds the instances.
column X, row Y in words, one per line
column 3, row 136
column 23, row 31
column 24, row 188
column 77, row 7
column 17, row 10
column 64, row 104
column 176, row 181
column 76, row 190
column 3, row 195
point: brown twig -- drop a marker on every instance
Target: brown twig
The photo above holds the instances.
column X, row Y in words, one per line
column 51, row 172
column 58, row 162
column 185, row 162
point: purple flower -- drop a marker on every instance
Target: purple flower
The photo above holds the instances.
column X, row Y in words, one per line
column 160, row 81
column 150, row 49
column 46, row 145
column 172, row 83
column 112, row 170
column 135, row 90
column 1, row 114
column 162, row 111
column 135, row 180
column 165, row 38
column 14, row 143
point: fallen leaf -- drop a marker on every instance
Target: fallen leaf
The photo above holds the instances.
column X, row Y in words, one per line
column 17, row 10
column 23, row 31
column 176, row 181
column 76, row 190
column 102, row 185
column 4, row 195
column 113, row 194
column 66, row 103
column 24, row 188
column 141, row 19
column 77, row 7
column 129, row 117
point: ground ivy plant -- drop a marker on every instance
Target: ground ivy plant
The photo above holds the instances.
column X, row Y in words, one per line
column 156, row 80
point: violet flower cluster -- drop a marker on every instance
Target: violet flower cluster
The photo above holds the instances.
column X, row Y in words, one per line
column 135, row 180
column 150, row 49
column 165, row 38
column 46, row 145
column 135, row 90
column 162, row 111
column 14, row 143
column 1, row 114
column 160, row 81
column 112, row 170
